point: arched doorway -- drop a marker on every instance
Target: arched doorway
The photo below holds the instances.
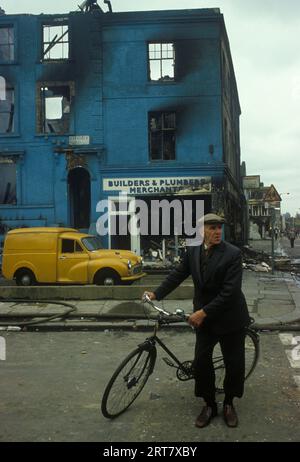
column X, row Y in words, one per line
column 79, row 197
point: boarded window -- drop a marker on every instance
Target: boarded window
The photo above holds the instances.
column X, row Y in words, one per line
column 7, row 47
column 162, row 135
column 7, row 109
column 55, row 41
column 7, row 181
column 161, row 61
column 54, row 109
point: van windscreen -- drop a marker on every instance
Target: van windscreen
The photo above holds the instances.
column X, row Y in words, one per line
column 92, row 243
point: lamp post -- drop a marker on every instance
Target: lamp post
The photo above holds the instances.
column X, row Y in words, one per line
column 273, row 214
column 272, row 236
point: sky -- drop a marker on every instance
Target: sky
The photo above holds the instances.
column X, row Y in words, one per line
column 263, row 36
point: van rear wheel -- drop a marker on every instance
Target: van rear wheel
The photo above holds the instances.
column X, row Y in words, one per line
column 25, row 278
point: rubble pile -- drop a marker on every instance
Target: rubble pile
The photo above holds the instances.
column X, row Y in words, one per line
column 261, row 261
column 256, row 261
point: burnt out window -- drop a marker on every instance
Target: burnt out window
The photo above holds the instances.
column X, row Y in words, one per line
column 162, row 135
column 7, row 45
column 161, row 61
column 55, row 41
column 54, row 106
column 7, row 109
column 8, row 175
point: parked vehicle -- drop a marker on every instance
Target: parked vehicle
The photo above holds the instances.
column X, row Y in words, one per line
column 63, row 255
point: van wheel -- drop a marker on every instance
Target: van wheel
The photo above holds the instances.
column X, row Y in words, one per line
column 25, row 278
column 107, row 277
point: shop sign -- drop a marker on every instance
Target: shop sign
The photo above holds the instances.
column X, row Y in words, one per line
column 159, row 185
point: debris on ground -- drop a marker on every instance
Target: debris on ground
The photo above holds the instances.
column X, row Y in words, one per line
column 255, row 260
column 261, row 261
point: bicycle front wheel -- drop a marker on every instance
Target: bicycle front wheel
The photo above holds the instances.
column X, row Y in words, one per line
column 251, row 358
column 127, row 382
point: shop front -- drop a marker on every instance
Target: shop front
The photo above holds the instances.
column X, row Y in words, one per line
column 155, row 216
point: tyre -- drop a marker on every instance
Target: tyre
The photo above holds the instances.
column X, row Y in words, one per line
column 127, row 382
column 251, row 358
column 25, row 277
column 107, row 277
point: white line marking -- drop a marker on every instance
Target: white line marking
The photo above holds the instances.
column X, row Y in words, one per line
column 295, row 363
column 286, row 339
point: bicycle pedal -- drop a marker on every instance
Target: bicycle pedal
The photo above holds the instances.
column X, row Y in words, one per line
column 169, row 363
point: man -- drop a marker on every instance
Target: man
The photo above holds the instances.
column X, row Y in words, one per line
column 292, row 237
column 220, row 315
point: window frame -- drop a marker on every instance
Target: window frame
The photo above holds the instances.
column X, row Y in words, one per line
column 161, row 80
column 41, row 107
column 11, row 87
column 162, row 130
column 56, row 22
column 12, row 159
column 13, row 45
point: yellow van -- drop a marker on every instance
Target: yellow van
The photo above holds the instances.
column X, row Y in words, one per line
column 63, row 255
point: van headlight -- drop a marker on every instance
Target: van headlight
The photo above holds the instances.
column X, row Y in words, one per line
column 129, row 264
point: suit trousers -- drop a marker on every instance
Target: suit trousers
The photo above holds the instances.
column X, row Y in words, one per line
column 233, row 351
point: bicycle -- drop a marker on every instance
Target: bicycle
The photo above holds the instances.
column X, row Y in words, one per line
column 131, row 376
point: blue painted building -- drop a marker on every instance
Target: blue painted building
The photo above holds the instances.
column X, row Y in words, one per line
column 96, row 104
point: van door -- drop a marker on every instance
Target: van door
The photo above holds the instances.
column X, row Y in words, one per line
column 72, row 262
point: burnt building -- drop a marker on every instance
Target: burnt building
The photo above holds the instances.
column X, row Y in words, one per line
column 94, row 104
column 263, row 207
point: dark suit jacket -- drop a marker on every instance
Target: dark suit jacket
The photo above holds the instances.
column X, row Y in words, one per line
column 219, row 294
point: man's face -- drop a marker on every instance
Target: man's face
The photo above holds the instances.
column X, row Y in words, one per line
column 212, row 234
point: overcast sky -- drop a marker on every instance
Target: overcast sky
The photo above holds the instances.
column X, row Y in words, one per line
column 264, row 40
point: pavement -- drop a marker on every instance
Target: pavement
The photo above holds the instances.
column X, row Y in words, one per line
column 273, row 301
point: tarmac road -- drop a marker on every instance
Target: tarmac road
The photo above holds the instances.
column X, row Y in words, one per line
column 51, row 385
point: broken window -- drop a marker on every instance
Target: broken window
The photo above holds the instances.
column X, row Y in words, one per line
column 55, row 41
column 161, row 61
column 7, row 48
column 54, row 109
column 7, row 109
column 8, row 176
column 162, row 126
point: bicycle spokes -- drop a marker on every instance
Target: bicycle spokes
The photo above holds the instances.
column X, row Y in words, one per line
column 127, row 382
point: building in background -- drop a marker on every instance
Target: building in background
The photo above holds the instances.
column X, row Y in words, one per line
column 98, row 104
column 262, row 201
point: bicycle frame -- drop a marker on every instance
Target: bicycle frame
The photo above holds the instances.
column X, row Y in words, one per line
column 150, row 343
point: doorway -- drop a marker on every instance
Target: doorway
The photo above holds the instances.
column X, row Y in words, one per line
column 121, row 213
column 79, row 183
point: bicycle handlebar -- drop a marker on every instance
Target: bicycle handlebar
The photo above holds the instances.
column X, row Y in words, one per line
column 179, row 313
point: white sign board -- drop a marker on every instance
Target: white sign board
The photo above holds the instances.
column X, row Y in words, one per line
column 79, row 140
column 159, row 185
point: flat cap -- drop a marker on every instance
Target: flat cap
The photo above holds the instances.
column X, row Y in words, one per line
column 211, row 219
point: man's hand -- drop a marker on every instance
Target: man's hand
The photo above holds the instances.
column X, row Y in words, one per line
column 151, row 295
column 197, row 318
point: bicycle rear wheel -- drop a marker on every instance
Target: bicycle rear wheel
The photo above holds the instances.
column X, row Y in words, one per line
column 251, row 358
column 128, row 381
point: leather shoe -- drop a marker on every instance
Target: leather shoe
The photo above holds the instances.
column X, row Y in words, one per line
column 230, row 415
column 205, row 416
